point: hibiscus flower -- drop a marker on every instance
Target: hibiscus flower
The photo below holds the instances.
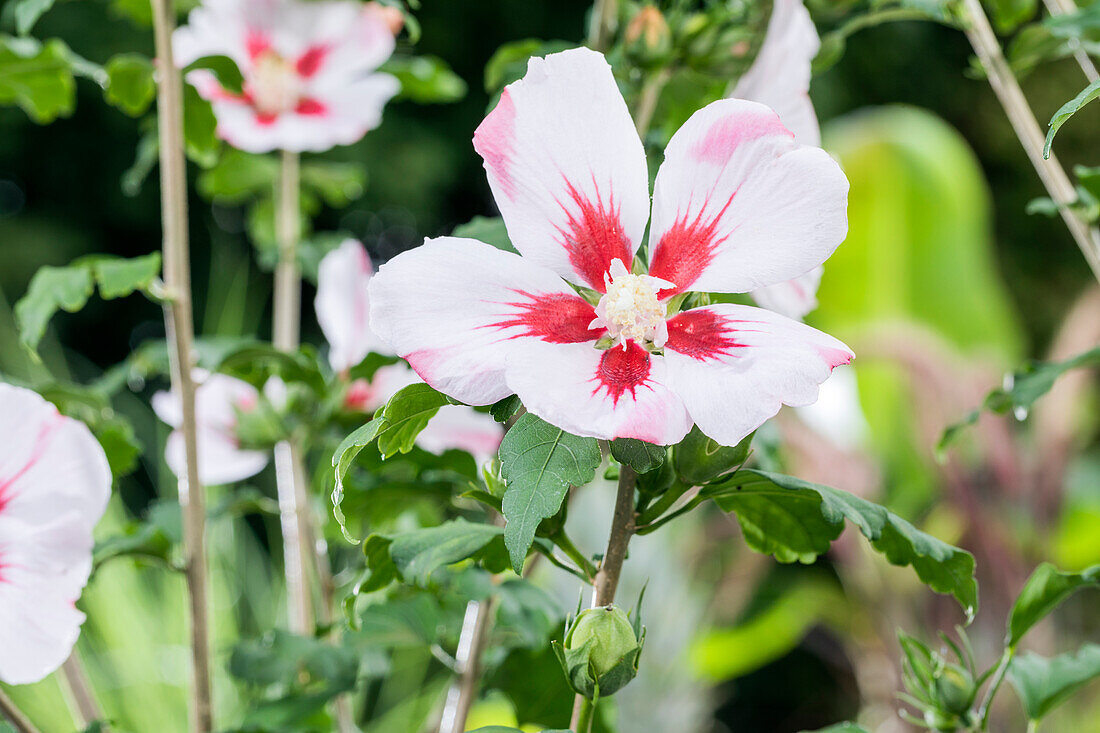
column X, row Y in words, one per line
column 307, row 70
column 588, row 338
column 54, row 487
column 218, row 398
column 780, row 78
column 343, row 308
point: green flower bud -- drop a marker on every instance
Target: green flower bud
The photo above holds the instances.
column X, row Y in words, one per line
column 954, row 689
column 611, row 634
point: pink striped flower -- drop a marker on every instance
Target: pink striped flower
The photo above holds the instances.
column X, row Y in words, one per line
column 343, row 310
column 580, row 330
column 780, row 78
column 54, row 487
column 218, row 400
column 307, row 68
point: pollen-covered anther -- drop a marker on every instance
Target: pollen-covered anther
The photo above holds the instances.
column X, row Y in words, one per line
column 274, row 84
column 630, row 309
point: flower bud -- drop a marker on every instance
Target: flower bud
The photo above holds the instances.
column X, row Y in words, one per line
column 391, row 16
column 954, row 689
column 611, row 634
column 647, row 35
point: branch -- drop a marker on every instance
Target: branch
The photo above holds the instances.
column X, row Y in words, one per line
column 15, row 716
column 180, row 331
column 79, row 690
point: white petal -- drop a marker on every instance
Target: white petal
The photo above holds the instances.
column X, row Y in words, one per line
column 342, row 305
column 455, row 307
column 734, row 366
column 462, row 428
column 738, row 205
column 780, row 75
column 221, row 460
column 567, row 169
column 607, row 394
column 792, row 298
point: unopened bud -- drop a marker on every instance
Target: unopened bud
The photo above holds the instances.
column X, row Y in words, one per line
column 391, row 16
column 611, row 634
column 647, row 35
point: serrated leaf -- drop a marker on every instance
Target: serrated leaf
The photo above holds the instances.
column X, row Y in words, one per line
column 199, row 128
column 419, row 553
column 1043, row 683
column 643, row 457
column 540, row 462
column 794, row 520
column 426, row 79
column 51, row 289
column 1042, row 593
column 130, row 84
column 37, row 77
column 1067, row 110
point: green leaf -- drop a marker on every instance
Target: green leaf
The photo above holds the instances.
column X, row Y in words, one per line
column 27, row 13
column 419, row 553
column 794, row 520
column 405, row 415
column 845, row 727
column 1043, row 683
column 199, row 128
column 1042, row 593
column 539, row 463
column 152, row 538
column 1008, row 15
column 118, row 277
column 130, row 85
column 509, row 62
column 37, row 77
column 643, row 457
column 238, row 176
column 488, row 229
column 426, row 79
column 92, row 406
column 1067, row 110
column 1021, row 391
column 503, row 410
column 699, row 459
column 337, row 183
column 51, row 289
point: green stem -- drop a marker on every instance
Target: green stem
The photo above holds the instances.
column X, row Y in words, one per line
column 647, row 100
column 561, row 539
column 602, row 20
column 663, row 504
column 998, row 678
column 585, row 717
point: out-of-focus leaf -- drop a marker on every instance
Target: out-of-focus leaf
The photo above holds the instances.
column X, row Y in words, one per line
column 1043, row 683
column 1021, row 391
column 51, row 289
column 509, row 62
column 1008, row 15
column 199, row 128
column 1067, row 110
column 238, row 176
column 426, row 79
column 1042, row 593
column 37, row 77
column 223, row 67
column 27, row 13
column 488, row 229
column 413, row 556
column 794, row 520
column 526, row 615
column 151, row 539
column 130, row 85
column 338, row 184
column 845, row 727
column 540, row 462
column 145, row 158
column 118, row 277
column 699, row 459
column 643, row 457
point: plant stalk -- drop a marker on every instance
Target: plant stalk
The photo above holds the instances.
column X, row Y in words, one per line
column 1012, row 99
column 289, row 470
column 85, row 708
column 998, row 678
column 15, row 716
column 601, row 24
column 647, row 100
column 1066, row 7
column 586, row 716
column 180, row 328
column 460, row 697
column 607, row 579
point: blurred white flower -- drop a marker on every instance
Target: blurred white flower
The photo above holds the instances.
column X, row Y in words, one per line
column 54, row 487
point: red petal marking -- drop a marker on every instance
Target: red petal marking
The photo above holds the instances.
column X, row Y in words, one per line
column 310, row 61
column 311, row 107
column 494, row 141
column 265, row 119
column 256, row 44
column 621, row 371
column 359, row 396
column 41, row 443
column 727, row 133
column 594, row 238
column 556, row 318
column 685, row 250
column 703, row 335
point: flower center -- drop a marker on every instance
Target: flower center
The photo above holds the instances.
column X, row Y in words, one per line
column 274, row 84
column 630, row 309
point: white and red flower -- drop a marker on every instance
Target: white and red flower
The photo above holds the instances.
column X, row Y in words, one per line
column 218, row 400
column 343, row 311
column 737, row 205
column 54, row 487
column 780, row 78
column 307, row 69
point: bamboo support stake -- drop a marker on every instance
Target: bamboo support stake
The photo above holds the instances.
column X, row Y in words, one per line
column 79, row 691
column 180, row 331
column 10, row 712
